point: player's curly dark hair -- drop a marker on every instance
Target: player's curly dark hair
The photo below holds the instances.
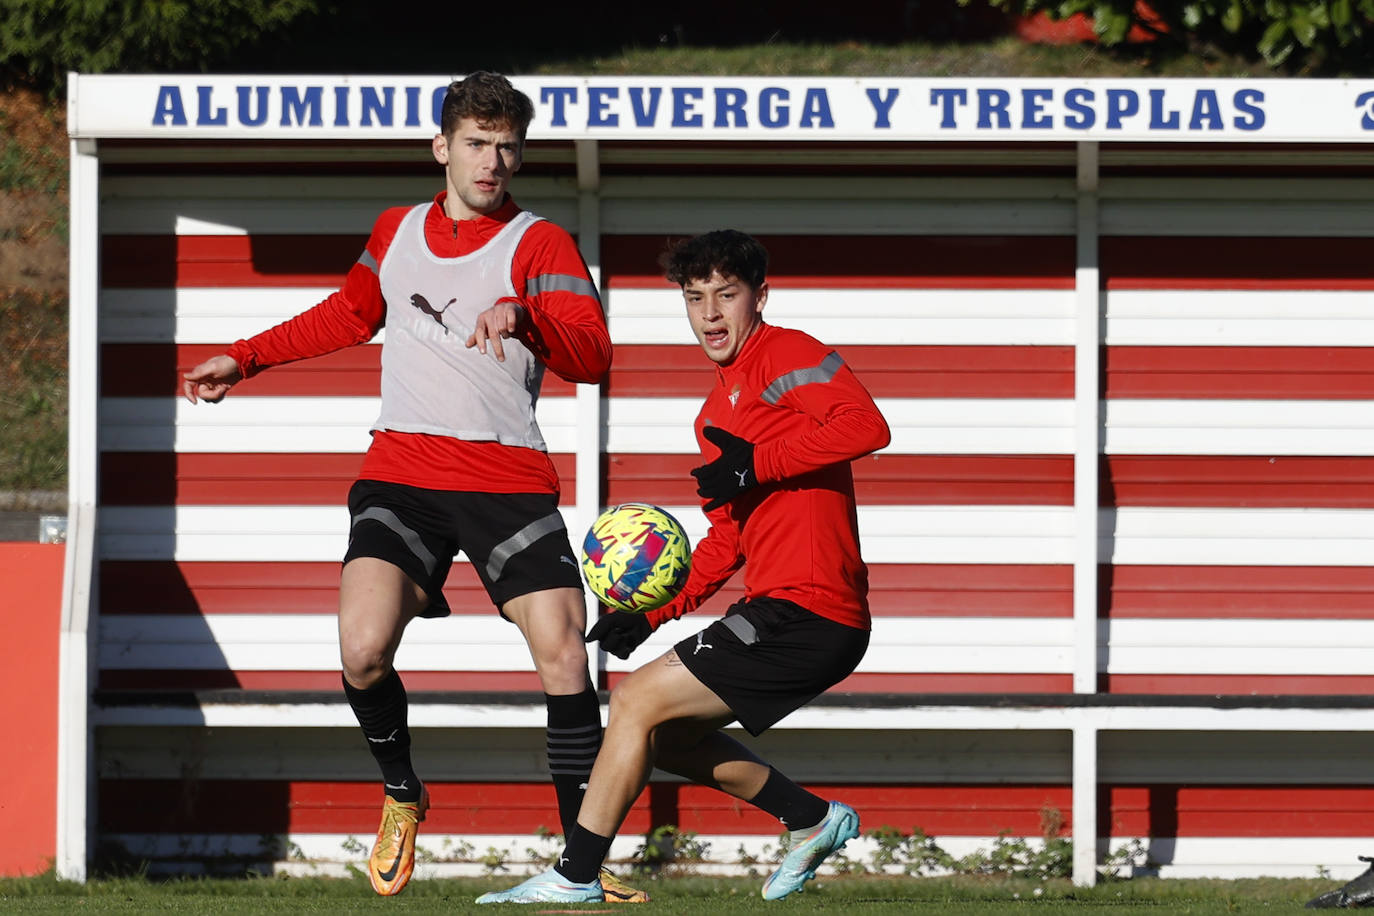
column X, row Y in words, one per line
column 729, row 252
column 490, row 100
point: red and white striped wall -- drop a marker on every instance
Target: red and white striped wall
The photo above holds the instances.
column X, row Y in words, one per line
column 1191, row 518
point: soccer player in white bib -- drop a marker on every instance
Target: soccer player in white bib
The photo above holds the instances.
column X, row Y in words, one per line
column 479, row 298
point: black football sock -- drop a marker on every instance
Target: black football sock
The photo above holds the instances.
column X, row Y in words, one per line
column 582, row 857
column 573, row 737
column 381, row 710
column 797, row 808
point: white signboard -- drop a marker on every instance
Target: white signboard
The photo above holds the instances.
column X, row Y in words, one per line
column 739, row 108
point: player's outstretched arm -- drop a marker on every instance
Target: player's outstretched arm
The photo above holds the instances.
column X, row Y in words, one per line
column 211, row 380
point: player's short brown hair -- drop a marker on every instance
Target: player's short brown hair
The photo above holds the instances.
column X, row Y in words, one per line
column 490, row 100
column 729, row 252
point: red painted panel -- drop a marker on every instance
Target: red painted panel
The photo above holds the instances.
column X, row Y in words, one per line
column 131, row 370
column 1256, row 481
column 1238, row 684
column 245, row 479
column 933, row 682
column 415, row 681
column 1168, row 810
column 932, row 262
column 970, row 590
column 986, row 262
column 165, row 261
column 879, row 480
column 1183, row 262
column 171, row 587
column 1331, row 373
column 642, row 371
column 1268, row 592
column 272, row 807
column 895, row 589
column 1154, row 810
column 32, row 574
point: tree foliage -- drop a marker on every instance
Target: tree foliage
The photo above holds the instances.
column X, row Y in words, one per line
column 1313, row 36
column 41, row 40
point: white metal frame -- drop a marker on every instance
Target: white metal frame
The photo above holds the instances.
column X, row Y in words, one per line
column 77, row 774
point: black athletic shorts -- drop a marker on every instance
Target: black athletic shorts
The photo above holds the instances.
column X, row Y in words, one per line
column 769, row 657
column 517, row 542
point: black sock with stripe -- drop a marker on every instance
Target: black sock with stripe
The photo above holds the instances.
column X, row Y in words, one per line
column 382, row 712
column 573, row 737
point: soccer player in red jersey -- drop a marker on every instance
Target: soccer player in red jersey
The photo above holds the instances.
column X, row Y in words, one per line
column 777, row 432
column 478, row 298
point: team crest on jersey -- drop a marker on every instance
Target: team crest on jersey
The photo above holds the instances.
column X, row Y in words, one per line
column 734, row 396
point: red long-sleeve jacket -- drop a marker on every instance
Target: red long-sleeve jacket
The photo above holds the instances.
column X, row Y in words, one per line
column 796, row 533
column 567, row 331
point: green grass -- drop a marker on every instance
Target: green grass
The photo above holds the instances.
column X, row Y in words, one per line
column 1000, row 57
column 33, row 392
column 690, row 896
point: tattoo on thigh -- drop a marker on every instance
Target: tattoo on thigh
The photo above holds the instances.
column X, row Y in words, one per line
column 671, row 660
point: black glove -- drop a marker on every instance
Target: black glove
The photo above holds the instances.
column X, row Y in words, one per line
column 620, row 633
column 730, row 474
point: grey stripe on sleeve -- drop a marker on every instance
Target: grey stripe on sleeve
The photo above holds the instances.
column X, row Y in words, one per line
column 408, row 535
column 517, row 542
column 367, row 260
column 798, row 377
column 560, row 283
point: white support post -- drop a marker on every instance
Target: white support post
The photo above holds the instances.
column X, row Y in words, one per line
column 75, row 748
column 1085, row 805
column 1087, row 426
column 1087, row 448
column 589, row 409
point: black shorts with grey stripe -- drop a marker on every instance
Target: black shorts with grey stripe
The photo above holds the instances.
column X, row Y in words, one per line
column 517, row 542
column 768, row 657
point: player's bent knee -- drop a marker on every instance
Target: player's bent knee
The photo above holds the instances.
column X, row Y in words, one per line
column 364, row 665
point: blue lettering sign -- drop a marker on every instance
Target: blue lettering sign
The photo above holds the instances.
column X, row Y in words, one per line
column 816, row 107
column 1366, row 99
column 730, row 101
column 773, row 108
column 645, row 114
column 305, row 108
column 205, row 117
column 436, row 105
column 381, row 106
column 1031, row 116
column 684, row 97
column 1205, row 109
column 881, row 106
column 1079, row 101
column 412, row 106
column 993, row 103
column 340, row 106
column 1158, row 119
column 946, row 99
column 558, row 96
column 598, row 103
column 255, row 117
column 1247, row 103
column 1121, row 104
column 169, row 107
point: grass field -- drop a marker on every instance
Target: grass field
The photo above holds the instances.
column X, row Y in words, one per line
column 690, row 896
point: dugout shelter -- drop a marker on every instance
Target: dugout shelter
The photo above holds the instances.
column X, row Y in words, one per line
column 1120, row 546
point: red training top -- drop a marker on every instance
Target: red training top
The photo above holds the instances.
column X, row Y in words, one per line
column 796, row 533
